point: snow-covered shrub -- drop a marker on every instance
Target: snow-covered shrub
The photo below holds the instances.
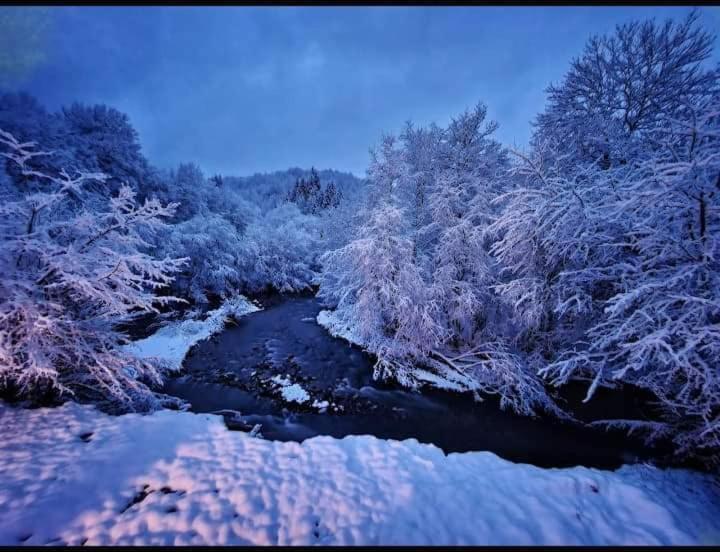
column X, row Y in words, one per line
column 67, row 281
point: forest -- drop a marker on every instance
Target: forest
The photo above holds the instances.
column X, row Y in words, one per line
column 458, row 262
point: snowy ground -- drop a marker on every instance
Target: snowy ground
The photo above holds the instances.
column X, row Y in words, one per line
column 74, row 475
column 172, row 342
column 336, row 328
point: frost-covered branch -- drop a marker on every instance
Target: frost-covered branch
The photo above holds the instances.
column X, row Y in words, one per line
column 68, row 281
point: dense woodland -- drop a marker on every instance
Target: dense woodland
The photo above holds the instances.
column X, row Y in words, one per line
column 592, row 256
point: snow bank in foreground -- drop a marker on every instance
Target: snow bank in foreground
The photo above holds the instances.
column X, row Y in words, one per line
column 74, row 475
column 171, row 343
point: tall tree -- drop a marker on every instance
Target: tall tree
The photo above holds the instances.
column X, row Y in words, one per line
column 623, row 84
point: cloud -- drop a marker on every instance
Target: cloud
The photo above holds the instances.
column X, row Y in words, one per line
column 262, row 76
column 263, row 88
column 23, row 33
column 312, row 61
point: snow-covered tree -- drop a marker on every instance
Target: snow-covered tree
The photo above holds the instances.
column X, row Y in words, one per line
column 415, row 286
column 279, row 250
column 607, row 248
column 244, row 236
column 188, row 187
column 68, row 281
column 214, row 247
column 550, row 238
column 623, row 84
column 469, row 167
column 311, row 197
column 26, row 119
column 420, row 149
column 103, row 139
column 379, row 292
column 89, row 138
column 660, row 330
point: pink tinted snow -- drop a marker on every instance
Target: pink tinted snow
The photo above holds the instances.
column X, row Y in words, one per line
column 183, row 478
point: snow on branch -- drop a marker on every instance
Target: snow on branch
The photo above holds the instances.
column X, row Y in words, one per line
column 69, row 278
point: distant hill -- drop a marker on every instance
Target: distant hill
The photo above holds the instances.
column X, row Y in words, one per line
column 271, row 188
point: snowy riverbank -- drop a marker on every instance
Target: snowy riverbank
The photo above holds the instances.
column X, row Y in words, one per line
column 441, row 378
column 172, row 342
column 74, row 475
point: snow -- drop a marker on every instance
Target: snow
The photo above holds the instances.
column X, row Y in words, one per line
column 291, row 392
column 448, row 379
column 441, row 382
column 295, row 392
column 322, row 406
column 172, row 342
column 74, row 475
column 328, row 320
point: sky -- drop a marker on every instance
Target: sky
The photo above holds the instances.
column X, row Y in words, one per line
column 240, row 90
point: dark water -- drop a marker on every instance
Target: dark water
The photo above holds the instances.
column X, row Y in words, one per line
column 283, row 339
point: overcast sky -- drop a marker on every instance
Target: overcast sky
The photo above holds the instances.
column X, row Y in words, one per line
column 240, row 90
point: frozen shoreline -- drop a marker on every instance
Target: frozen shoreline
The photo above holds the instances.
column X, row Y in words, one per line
column 450, row 381
column 172, row 342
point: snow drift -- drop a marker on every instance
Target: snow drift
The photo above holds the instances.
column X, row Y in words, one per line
column 74, row 475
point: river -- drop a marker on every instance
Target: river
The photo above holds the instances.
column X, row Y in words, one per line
column 232, row 371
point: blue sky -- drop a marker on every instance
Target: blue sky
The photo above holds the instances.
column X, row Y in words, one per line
column 246, row 89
